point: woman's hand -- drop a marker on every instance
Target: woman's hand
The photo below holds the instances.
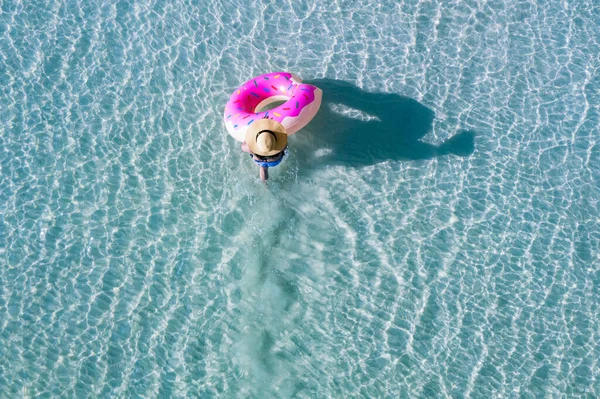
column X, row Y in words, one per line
column 245, row 147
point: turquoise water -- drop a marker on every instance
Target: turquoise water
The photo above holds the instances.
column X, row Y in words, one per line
column 433, row 232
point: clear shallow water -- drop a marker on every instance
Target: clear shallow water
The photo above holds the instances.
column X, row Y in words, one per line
column 434, row 232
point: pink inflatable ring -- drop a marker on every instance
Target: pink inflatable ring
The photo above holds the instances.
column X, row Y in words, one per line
column 302, row 102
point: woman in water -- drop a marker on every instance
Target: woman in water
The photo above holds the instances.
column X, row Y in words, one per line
column 266, row 141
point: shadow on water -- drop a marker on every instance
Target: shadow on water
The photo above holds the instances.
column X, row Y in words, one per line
column 380, row 127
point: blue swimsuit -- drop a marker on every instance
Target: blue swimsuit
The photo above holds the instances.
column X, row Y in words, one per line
column 266, row 164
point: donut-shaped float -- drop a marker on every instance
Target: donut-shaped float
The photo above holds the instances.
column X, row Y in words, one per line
column 302, row 101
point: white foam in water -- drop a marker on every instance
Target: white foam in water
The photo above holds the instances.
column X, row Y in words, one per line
column 433, row 232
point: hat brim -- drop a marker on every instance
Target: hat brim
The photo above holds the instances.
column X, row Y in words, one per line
column 266, row 126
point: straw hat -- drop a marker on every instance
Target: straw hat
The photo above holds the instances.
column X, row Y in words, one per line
column 266, row 137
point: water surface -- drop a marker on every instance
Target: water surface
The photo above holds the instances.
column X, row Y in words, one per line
column 434, row 232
